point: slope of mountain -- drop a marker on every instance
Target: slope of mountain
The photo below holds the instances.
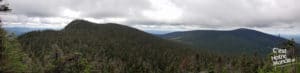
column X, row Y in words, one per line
column 297, row 39
column 231, row 42
column 106, row 47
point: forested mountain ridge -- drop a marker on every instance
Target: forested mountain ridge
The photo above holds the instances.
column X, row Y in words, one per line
column 229, row 42
column 100, row 47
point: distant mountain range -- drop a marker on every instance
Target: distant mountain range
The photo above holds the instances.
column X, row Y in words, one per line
column 229, row 42
column 22, row 30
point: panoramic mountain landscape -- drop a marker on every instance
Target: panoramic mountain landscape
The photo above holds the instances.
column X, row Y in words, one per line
column 149, row 36
column 90, row 47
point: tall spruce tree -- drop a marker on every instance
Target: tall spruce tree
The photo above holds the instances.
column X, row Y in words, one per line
column 3, row 8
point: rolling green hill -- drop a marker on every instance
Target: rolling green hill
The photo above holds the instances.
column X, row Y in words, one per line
column 229, row 42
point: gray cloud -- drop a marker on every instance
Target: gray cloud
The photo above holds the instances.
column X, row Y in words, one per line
column 216, row 14
column 88, row 8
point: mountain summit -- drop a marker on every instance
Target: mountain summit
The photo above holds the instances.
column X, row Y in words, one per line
column 79, row 24
column 102, row 46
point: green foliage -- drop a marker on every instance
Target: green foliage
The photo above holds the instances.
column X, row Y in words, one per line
column 75, row 64
column 12, row 57
column 286, row 68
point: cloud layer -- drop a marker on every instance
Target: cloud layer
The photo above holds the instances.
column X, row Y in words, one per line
column 272, row 16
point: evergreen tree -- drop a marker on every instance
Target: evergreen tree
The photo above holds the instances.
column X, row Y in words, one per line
column 2, row 37
column 12, row 59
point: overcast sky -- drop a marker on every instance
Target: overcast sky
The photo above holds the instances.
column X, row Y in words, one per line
column 270, row 16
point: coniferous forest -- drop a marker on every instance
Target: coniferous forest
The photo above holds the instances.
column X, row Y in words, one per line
column 87, row 47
